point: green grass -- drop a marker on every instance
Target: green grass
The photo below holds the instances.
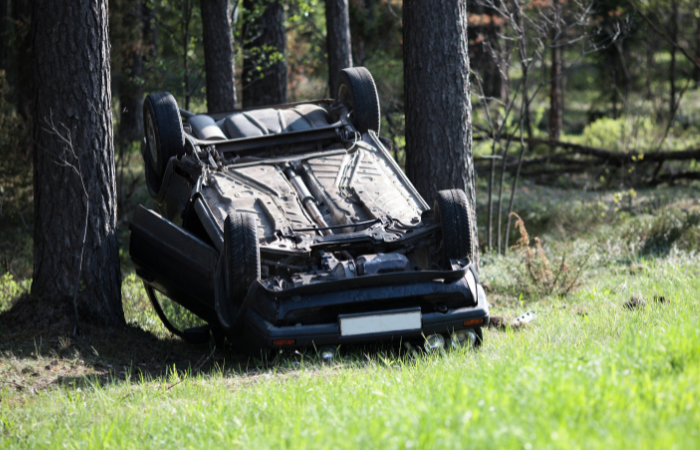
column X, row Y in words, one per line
column 587, row 373
column 611, row 378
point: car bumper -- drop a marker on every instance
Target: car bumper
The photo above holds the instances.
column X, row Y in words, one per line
column 258, row 333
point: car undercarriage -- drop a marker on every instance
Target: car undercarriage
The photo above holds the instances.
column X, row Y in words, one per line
column 293, row 225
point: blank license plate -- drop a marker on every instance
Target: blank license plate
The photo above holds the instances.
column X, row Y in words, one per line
column 384, row 322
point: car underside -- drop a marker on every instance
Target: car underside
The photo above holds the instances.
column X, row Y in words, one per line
column 292, row 225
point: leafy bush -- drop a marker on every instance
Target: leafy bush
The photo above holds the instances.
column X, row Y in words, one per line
column 10, row 289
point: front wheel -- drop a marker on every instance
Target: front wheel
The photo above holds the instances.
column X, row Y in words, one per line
column 241, row 256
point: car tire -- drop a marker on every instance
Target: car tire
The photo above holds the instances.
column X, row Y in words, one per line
column 358, row 91
column 453, row 212
column 241, row 256
column 479, row 337
column 162, row 125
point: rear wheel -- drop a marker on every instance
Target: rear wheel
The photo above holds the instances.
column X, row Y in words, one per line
column 358, row 91
column 242, row 256
column 162, row 124
column 452, row 209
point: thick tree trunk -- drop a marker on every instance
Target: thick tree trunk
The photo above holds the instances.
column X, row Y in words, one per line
column 75, row 241
column 438, row 106
column 23, row 78
column 264, row 73
column 218, row 55
column 337, row 41
column 130, row 82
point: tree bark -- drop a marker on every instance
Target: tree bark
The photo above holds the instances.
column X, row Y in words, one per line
column 672, row 69
column 484, row 48
column 696, row 68
column 74, row 182
column 4, row 32
column 218, row 55
column 264, row 75
column 21, row 16
column 150, row 30
column 337, row 41
column 130, row 81
column 555, row 95
column 438, row 106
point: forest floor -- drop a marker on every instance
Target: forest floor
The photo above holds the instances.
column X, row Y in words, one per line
column 611, row 360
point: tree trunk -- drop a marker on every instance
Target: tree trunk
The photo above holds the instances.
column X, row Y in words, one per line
column 24, row 80
column 696, row 69
column 74, row 187
column 555, row 95
column 185, row 21
column 338, row 41
column 150, row 30
column 130, row 82
column 672, row 69
column 438, row 106
column 484, row 49
column 264, row 70
column 218, row 55
column 4, row 32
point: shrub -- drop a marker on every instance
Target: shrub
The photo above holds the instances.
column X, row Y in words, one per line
column 540, row 276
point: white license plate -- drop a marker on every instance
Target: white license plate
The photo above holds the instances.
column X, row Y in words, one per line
column 383, row 322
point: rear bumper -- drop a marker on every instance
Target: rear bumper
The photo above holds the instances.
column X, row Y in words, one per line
column 258, row 333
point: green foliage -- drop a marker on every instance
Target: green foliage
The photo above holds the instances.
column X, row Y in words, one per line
column 138, row 310
column 10, row 289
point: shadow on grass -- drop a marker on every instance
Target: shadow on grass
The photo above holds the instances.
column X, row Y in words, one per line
column 41, row 348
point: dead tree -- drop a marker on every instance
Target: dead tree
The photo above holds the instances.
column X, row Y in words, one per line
column 75, row 106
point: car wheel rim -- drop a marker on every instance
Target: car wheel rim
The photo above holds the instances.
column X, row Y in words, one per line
column 151, row 137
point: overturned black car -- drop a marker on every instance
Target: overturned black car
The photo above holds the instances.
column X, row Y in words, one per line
column 292, row 225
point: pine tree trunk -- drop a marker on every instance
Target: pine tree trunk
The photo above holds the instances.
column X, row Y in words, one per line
column 4, row 32
column 150, row 30
column 672, row 69
column 555, row 95
column 338, row 41
column 74, row 182
column 696, row 69
column 218, row 55
column 24, row 79
column 438, row 107
column 264, row 80
column 484, row 54
column 130, row 85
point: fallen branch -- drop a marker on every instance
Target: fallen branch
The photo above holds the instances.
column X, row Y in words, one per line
column 617, row 158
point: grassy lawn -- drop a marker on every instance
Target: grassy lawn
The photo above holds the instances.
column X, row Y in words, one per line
column 588, row 372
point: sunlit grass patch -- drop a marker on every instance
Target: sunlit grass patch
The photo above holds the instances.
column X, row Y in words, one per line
column 610, row 378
